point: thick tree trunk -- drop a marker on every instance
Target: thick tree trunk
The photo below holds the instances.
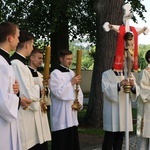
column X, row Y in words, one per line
column 60, row 37
column 107, row 11
column 59, row 40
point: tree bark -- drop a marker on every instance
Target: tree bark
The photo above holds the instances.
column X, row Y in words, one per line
column 106, row 11
column 60, row 36
column 59, row 40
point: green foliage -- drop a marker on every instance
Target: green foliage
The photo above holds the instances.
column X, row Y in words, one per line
column 43, row 17
column 142, row 50
column 87, row 59
column 138, row 8
column 86, row 130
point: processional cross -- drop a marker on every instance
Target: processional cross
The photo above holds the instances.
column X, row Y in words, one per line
column 129, row 54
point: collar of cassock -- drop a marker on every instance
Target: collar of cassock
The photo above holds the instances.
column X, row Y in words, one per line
column 119, row 73
column 33, row 71
column 5, row 55
column 63, row 68
column 19, row 57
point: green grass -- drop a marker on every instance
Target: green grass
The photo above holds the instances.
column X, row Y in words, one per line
column 134, row 113
column 81, row 114
column 87, row 130
column 86, row 95
column 100, row 132
column 49, row 145
column 91, row 131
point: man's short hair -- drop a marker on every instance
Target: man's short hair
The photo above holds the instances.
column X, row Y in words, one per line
column 147, row 56
column 64, row 52
column 36, row 50
column 6, row 29
column 24, row 37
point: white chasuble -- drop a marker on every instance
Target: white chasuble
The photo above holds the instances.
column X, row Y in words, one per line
column 9, row 102
column 114, row 103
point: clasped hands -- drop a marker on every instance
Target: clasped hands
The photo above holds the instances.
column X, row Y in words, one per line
column 127, row 82
column 24, row 102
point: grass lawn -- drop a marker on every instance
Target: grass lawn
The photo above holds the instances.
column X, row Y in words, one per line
column 87, row 130
column 100, row 132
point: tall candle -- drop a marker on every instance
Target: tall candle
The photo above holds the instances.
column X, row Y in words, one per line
column 78, row 65
column 47, row 62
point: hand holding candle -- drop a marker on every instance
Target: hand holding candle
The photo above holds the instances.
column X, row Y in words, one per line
column 76, row 105
column 78, row 65
column 47, row 62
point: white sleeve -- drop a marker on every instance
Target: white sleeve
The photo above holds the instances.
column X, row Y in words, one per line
column 109, row 88
column 62, row 90
column 145, row 86
column 27, row 86
column 9, row 102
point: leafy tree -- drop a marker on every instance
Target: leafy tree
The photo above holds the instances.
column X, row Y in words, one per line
column 54, row 20
column 57, row 20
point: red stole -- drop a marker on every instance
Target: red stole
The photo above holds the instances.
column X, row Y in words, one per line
column 119, row 56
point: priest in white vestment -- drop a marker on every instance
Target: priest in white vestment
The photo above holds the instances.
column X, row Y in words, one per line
column 143, row 108
column 29, row 118
column 114, row 108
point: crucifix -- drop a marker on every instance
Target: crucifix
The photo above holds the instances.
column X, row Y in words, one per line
column 127, row 51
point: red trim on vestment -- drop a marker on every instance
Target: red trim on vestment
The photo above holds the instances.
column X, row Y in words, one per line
column 118, row 63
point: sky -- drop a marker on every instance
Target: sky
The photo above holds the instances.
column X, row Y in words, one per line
column 143, row 39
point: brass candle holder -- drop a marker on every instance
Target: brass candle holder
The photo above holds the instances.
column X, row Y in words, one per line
column 42, row 101
column 127, row 88
column 76, row 104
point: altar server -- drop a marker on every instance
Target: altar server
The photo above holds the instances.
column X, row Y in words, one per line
column 64, row 122
column 9, row 101
column 29, row 118
column 143, row 108
column 35, row 61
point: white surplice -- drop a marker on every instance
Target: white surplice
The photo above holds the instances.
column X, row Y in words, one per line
column 9, row 102
column 29, row 120
column 62, row 96
column 114, row 103
column 143, row 111
column 46, row 135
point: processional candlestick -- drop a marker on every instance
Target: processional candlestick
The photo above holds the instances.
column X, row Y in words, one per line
column 45, row 77
column 76, row 105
